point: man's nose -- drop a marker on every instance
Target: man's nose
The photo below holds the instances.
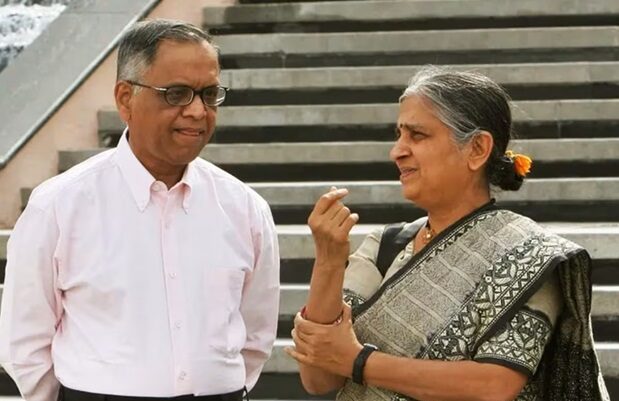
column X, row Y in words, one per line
column 195, row 109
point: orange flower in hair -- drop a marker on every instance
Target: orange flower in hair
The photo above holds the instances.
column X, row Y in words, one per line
column 522, row 163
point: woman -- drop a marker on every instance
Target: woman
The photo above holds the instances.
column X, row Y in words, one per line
column 472, row 302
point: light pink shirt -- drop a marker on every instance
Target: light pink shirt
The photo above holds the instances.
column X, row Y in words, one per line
column 116, row 285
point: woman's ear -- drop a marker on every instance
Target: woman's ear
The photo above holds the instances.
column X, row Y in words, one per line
column 123, row 94
column 480, row 149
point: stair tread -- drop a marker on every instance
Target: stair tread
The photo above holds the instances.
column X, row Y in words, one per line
column 593, row 149
column 386, row 10
column 397, row 76
column 420, row 41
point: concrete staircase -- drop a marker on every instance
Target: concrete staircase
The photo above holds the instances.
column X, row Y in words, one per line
column 314, row 86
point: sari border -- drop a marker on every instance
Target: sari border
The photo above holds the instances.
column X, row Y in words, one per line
column 506, row 364
column 504, row 359
column 505, row 306
column 524, row 296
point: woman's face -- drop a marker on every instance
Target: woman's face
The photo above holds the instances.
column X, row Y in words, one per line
column 433, row 167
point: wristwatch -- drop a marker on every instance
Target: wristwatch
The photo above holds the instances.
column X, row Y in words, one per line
column 360, row 360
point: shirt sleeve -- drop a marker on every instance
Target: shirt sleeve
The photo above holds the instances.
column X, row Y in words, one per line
column 521, row 343
column 31, row 305
column 260, row 303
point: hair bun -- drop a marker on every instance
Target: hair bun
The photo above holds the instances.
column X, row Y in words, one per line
column 503, row 174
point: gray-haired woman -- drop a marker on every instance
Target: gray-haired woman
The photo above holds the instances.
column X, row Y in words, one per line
column 470, row 303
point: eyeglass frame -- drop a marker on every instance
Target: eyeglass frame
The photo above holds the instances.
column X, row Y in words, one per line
column 194, row 92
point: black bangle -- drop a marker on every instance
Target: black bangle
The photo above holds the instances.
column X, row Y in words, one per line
column 360, row 360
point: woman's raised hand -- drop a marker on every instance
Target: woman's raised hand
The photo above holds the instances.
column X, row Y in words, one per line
column 331, row 222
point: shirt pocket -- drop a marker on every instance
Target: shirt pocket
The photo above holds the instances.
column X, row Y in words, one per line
column 223, row 293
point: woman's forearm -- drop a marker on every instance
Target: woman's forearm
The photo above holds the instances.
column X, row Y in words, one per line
column 324, row 302
column 324, row 305
column 319, row 382
column 330, row 222
column 431, row 380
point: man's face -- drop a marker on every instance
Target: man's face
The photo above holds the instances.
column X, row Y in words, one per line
column 166, row 138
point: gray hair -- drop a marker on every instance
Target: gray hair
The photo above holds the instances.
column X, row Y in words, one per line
column 468, row 103
column 138, row 46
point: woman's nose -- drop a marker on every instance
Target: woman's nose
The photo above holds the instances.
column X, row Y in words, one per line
column 398, row 150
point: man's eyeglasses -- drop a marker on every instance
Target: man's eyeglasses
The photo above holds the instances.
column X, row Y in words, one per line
column 183, row 95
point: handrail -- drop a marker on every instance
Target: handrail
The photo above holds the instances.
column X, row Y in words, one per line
column 37, row 82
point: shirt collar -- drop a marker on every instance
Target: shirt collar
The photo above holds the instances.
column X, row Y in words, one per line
column 136, row 175
column 140, row 179
column 189, row 181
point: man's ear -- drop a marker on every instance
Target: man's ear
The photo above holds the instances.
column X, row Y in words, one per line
column 480, row 149
column 123, row 94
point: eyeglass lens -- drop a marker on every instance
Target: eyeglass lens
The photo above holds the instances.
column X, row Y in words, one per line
column 183, row 95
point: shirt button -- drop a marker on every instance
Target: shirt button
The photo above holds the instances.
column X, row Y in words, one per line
column 172, row 275
column 177, row 324
column 182, row 376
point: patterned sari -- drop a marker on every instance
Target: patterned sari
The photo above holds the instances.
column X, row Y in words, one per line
column 495, row 287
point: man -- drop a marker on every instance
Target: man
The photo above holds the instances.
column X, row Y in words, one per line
column 145, row 271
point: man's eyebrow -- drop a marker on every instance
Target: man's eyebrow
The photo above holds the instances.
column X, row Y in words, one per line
column 173, row 84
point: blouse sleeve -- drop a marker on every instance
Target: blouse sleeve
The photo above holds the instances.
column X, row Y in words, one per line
column 362, row 278
column 520, row 344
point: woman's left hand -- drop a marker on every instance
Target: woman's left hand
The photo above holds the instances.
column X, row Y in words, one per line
column 331, row 347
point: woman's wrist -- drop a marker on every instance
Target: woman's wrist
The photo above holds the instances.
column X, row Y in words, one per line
column 335, row 321
column 330, row 265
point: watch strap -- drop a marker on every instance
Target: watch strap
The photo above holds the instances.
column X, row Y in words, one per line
column 359, row 363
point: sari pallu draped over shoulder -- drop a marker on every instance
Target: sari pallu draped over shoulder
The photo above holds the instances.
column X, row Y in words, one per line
column 465, row 297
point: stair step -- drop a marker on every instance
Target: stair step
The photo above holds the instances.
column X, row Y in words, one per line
column 344, row 85
column 268, row 116
column 296, row 243
column 397, row 76
column 280, row 362
column 604, row 328
column 542, row 199
column 401, row 14
column 288, row 385
column 563, row 38
column 377, row 192
column 364, row 153
column 462, row 46
column 604, row 310
column 600, row 239
column 547, row 119
column 299, row 270
column 605, row 300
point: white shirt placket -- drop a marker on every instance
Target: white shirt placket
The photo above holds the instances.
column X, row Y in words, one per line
column 170, row 204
